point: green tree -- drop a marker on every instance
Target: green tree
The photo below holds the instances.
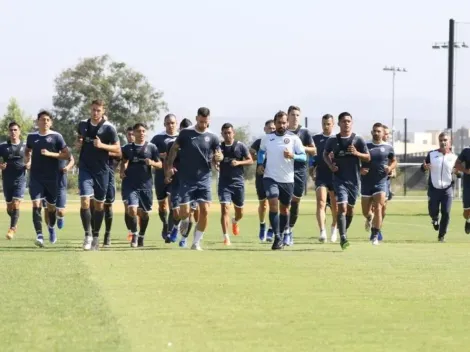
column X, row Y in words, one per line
column 129, row 96
column 242, row 134
column 14, row 113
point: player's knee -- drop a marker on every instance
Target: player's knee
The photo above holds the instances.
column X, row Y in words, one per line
column 162, row 205
column 108, row 207
column 15, row 204
column 99, row 206
column 51, row 207
column 321, row 204
column 238, row 212
column 132, row 211
column 224, row 209
column 283, row 209
column 263, row 205
column 85, row 203
column 61, row 212
column 349, row 210
column 143, row 214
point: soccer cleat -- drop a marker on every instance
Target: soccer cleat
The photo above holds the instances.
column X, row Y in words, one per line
column 380, row 237
column 334, row 235
column 10, row 233
column 344, row 243
column 196, row 247
column 441, row 239
column 182, row 242
column 375, row 241
column 52, row 235
column 368, row 223
column 467, row 227
column 95, row 244
column 39, row 241
column 435, row 224
column 270, row 235
column 140, row 241
column 235, row 228
column 291, row 243
column 60, row 223
column 262, row 235
column 287, row 238
column 323, row 238
column 134, row 241
column 107, row 240
column 87, row 243
column 173, row 237
column 277, row 244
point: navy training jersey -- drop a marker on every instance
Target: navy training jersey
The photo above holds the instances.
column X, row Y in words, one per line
column 196, row 152
column 255, row 146
column 322, row 170
column 306, row 139
column 380, row 155
column 93, row 159
column 161, row 141
column 228, row 174
column 465, row 158
column 348, row 164
column 44, row 167
column 13, row 156
column 138, row 173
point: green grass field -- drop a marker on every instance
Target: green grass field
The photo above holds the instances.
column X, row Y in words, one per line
column 408, row 294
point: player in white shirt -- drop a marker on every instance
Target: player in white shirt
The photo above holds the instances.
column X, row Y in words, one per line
column 281, row 148
column 440, row 164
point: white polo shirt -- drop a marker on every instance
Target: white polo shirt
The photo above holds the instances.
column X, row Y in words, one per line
column 441, row 167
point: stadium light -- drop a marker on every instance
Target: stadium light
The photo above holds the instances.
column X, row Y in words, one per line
column 394, row 70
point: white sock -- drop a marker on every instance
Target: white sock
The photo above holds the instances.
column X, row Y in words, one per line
column 468, row 220
column 234, row 221
column 333, row 230
column 226, row 236
column 198, row 236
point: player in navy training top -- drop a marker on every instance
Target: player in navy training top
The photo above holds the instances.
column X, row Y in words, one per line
column 162, row 190
column 264, row 235
column 127, row 218
column 46, row 147
column 138, row 159
column 374, row 185
column 231, row 185
column 300, row 169
column 96, row 139
column 463, row 165
column 13, row 174
column 197, row 148
column 324, row 181
column 348, row 150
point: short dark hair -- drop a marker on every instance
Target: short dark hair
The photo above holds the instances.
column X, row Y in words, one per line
column 343, row 115
column 327, row 116
column 279, row 114
column 129, row 129
column 385, row 127
column 98, row 102
column 268, row 122
column 377, row 124
column 13, row 123
column 169, row 116
column 44, row 113
column 226, row 126
column 185, row 123
column 138, row 125
column 204, row 112
column 293, row 108
column 444, row 134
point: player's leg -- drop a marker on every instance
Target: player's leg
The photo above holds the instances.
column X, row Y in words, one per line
column 445, row 205
column 204, row 197
column 299, row 188
column 352, row 191
column 225, row 199
column 85, row 183
column 367, row 206
column 132, row 209
column 262, row 208
column 334, row 214
column 145, row 207
column 378, row 197
column 14, row 195
column 36, row 192
column 342, row 202
column 286, row 191
column 238, row 200
column 185, row 199
column 466, row 209
column 163, row 206
column 127, row 219
column 108, row 209
column 50, row 196
column 100, row 188
column 272, row 194
column 433, row 206
column 175, row 223
column 321, row 195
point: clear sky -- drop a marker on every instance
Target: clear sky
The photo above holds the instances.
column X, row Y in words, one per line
column 247, row 59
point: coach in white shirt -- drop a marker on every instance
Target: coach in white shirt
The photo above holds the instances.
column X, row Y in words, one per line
column 281, row 148
column 440, row 164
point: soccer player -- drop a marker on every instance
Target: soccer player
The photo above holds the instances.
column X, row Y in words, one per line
column 263, row 202
column 96, row 139
column 13, row 174
column 46, row 147
column 300, row 167
column 324, row 181
column 441, row 164
column 197, row 148
column 138, row 158
column 127, row 219
column 348, row 150
column 281, row 149
column 162, row 190
column 231, row 187
column 374, row 183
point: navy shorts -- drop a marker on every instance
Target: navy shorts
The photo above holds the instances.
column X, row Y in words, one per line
column 61, row 191
column 345, row 192
column 140, row 198
column 124, row 190
column 198, row 191
column 466, row 198
column 229, row 194
column 299, row 183
column 368, row 190
column 111, row 192
column 162, row 190
column 14, row 189
column 43, row 189
column 259, row 184
column 93, row 185
column 174, row 188
column 283, row 191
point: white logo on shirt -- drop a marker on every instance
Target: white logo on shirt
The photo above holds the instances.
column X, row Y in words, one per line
column 207, row 139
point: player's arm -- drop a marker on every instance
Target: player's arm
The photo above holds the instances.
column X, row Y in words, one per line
column 154, row 161
column 461, row 163
column 170, row 159
column 110, row 148
column 123, row 165
column 310, row 148
column 392, row 161
column 70, row 164
column 115, row 155
column 63, row 154
column 326, row 155
column 247, row 159
column 27, row 154
column 261, row 156
column 427, row 163
column 299, row 151
column 360, row 150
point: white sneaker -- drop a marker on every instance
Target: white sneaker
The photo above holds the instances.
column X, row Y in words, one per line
column 87, row 243
column 196, row 247
column 375, row 241
column 323, row 238
column 39, row 241
column 95, row 244
column 334, row 234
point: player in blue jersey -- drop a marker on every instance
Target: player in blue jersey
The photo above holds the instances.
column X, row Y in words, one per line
column 300, row 167
column 13, row 174
column 281, row 149
column 138, row 159
column 162, row 189
column 349, row 150
column 263, row 202
column 374, row 185
column 231, row 185
column 463, row 165
column 197, row 148
column 324, row 181
column 127, row 218
column 96, row 139
column 44, row 148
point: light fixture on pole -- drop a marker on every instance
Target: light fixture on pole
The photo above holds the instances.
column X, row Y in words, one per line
column 394, row 70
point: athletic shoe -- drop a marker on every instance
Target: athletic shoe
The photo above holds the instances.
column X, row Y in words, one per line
column 375, row 241
column 291, row 243
column 182, row 243
column 134, row 241
column 277, row 244
column 235, row 228
column 87, row 243
column 129, row 236
column 441, row 239
column 10, row 233
column 107, row 240
column 269, row 235
column 435, row 224
column 95, row 244
column 344, row 243
column 323, row 238
column 60, row 223
column 39, row 241
column 227, row 240
column 262, row 235
column 173, row 235
column 140, row 241
column 196, row 247
column 334, row 235
column 467, row 227
column 287, row 238
column 52, row 235
column 380, row 237
column 368, row 223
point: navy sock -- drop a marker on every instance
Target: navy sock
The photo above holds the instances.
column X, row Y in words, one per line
column 108, row 219
column 37, row 220
column 144, row 222
column 283, row 220
column 85, row 215
column 348, row 220
column 274, row 220
column 294, row 213
column 133, row 223
column 163, row 217
column 171, row 221
column 262, row 226
column 52, row 217
column 127, row 220
column 341, row 224
column 98, row 216
column 15, row 215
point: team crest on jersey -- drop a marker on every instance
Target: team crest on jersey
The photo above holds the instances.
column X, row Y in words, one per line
column 286, row 140
column 49, row 139
column 382, row 149
column 207, row 139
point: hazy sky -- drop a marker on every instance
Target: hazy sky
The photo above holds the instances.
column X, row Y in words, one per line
column 247, row 59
